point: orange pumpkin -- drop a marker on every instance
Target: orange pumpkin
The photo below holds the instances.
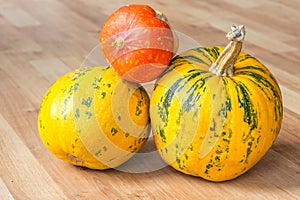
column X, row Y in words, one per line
column 138, row 42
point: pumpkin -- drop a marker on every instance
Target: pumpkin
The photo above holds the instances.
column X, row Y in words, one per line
column 90, row 117
column 216, row 111
column 137, row 42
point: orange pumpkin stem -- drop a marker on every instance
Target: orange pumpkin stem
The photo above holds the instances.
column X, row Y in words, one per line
column 224, row 65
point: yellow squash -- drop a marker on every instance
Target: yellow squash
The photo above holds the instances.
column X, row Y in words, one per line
column 90, row 117
column 216, row 112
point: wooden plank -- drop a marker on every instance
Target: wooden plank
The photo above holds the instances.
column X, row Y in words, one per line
column 4, row 192
column 260, row 39
column 17, row 16
column 291, row 99
column 20, row 75
column 51, row 68
column 25, row 182
column 246, row 4
column 287, row 168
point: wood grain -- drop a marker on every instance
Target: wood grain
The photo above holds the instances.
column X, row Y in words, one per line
column 40, row 40
column 16, row 156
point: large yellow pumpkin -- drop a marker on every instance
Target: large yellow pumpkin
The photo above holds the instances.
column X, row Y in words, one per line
column 90, row 117
column 216, row 112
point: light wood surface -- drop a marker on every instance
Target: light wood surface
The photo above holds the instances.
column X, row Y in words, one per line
column 40, row 40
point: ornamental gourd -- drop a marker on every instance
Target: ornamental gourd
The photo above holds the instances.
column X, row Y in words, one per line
column 90, row 117
column 137, row 42
column 216, row 111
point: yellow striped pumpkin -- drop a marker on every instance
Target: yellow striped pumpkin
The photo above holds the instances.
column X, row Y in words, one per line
column 216, row 112
column 90, row 117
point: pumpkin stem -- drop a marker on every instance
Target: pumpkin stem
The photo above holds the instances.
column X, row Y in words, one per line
column 119, row 43
column 161, row 16
column 224, row 65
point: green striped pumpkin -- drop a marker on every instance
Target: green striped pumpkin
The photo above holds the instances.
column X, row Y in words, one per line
column 90, row 117
column 215, row 112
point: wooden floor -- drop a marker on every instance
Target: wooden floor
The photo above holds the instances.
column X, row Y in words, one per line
column 41, row 40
